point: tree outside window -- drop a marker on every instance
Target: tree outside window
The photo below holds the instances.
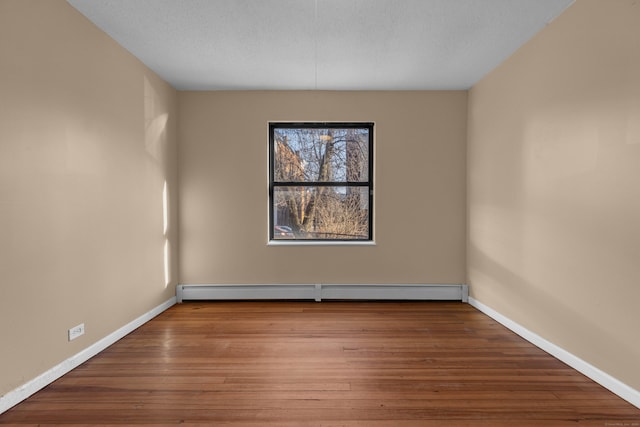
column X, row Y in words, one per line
column 321, row 185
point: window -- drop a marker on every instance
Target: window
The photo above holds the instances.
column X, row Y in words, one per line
column 321, row 181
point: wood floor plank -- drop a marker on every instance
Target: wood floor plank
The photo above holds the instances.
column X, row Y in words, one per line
column 373, row 364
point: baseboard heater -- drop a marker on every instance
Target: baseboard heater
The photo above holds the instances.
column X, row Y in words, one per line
column 320, row 292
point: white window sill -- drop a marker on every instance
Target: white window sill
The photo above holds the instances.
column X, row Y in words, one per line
column 319, row 243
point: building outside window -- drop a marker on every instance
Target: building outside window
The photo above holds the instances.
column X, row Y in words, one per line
column 321, row 182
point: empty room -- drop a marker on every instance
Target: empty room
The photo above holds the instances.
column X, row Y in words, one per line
column 320, row 212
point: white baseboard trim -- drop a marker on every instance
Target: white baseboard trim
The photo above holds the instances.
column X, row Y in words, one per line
column 614, row 385
column 319, row 292
column 19, row 394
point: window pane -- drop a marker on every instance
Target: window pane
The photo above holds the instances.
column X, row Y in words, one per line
column 321, row 154
column 316, row 212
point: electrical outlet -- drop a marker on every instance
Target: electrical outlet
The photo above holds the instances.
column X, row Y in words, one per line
column 76, row 331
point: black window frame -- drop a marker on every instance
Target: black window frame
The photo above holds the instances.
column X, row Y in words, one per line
column 361, row 184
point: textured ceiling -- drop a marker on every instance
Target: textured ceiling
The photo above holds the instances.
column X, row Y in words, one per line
column 321, row 44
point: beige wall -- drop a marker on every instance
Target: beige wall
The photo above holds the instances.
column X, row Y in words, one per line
column 554, row 186
column 87, row 140
column 419, row 188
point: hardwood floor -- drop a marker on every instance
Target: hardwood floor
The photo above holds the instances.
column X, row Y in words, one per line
column 324, row 364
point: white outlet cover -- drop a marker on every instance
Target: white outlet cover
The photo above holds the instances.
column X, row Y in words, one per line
column 76, row 331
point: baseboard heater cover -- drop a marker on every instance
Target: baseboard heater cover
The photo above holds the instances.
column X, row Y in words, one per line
column 319, row 292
